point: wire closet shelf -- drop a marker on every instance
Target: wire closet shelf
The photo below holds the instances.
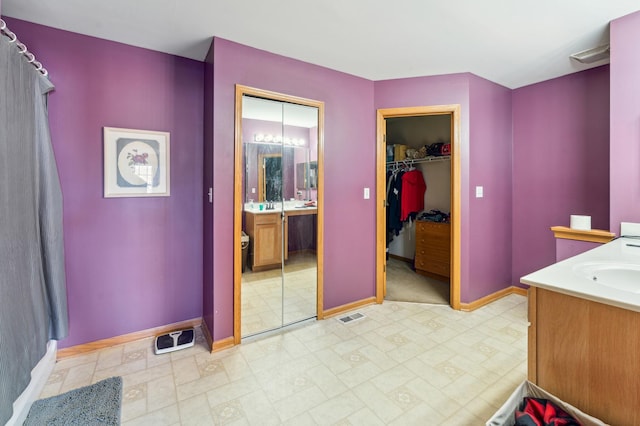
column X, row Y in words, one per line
column 411, row 161
column 22, row 48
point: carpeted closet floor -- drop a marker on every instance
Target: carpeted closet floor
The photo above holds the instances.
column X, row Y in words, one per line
column 405, row 285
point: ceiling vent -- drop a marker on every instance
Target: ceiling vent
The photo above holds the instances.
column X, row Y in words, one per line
column 592, row 55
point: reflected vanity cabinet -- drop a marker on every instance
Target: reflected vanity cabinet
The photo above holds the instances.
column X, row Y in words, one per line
column 265, row 239
column 433, row 249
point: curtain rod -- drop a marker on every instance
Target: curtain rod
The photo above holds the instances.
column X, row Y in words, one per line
column 22, row 48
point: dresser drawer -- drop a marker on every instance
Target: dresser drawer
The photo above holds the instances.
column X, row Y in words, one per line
column 433, row 248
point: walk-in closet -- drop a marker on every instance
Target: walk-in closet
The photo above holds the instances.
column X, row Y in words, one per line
column 418, row 208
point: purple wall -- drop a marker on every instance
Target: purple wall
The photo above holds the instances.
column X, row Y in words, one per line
column 569, row 248
column 131, row 263
column 490, row 150
column 625, row 121
column 560, row 162
column 207, row 211
column 349, row 231
column 485, row 160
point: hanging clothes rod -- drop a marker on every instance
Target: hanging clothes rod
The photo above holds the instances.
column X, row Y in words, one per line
column 22, row 48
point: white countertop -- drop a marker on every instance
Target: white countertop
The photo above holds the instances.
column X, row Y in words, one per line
column 562, row 277
column 289, row 206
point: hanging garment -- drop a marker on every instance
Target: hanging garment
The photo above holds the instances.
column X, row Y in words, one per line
column 413, row 189
column 394, row 223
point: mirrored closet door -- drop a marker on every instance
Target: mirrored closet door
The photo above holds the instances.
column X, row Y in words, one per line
column 278, row 284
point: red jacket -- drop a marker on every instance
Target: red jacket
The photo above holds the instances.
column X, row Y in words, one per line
column 412, row 197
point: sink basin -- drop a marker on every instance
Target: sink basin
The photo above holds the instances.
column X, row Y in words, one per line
column 621, row 276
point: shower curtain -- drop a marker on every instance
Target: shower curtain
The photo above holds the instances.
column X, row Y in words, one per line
column 33, row 301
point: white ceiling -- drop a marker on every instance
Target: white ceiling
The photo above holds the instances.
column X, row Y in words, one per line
column 510, row 42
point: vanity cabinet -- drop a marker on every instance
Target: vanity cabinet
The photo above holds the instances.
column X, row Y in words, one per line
column 586, row 353
column 265, row 236
column 433, row 249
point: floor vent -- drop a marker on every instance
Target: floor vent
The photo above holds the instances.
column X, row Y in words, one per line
column 350, row 318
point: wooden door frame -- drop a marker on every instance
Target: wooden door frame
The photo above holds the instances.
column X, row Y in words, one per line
column 262, row 178
column 456, row 183
column 238, row 201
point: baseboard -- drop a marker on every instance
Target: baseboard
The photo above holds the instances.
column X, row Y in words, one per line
column 400, row 258
column 207, row 335
column 221, row 344
column 126, row 338
column 467, row 307
column 349, row 307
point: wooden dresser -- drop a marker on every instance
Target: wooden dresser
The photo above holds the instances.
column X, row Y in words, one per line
column 433, row 249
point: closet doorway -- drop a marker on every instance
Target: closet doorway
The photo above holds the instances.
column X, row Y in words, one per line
column 278, row 215
column 424, row 253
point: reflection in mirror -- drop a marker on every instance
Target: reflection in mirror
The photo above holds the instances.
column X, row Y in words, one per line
column 279, row 279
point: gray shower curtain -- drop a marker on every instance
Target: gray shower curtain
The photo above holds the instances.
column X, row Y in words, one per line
column 33, row 300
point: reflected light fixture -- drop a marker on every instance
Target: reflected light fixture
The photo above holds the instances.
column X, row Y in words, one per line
column 261, row 137
column 592, row 55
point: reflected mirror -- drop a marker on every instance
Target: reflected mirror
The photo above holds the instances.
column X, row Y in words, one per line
column 279, row 214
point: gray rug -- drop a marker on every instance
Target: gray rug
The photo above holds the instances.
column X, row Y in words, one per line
column 97, row 404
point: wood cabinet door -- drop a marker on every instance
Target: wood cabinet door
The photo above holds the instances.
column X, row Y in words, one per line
column 267, row 240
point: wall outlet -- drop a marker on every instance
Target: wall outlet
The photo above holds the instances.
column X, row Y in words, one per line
column 253, row 190
column 479, row 192
column 366, row 193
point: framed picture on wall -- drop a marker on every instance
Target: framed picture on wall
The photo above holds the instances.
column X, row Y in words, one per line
column 136, row 163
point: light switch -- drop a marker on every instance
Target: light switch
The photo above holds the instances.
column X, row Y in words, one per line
column 366, row 193
column 253, row 190
column 479, row 192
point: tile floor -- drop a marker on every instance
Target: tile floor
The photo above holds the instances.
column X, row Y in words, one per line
column 263, row 293
column 403, row 364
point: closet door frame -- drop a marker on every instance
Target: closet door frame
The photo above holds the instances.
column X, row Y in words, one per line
column 238, row 201
column 381, row 157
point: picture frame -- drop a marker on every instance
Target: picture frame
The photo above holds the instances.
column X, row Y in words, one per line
column 136, row 163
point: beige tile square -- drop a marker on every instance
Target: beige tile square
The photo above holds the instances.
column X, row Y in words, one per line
column 364, row 416
column 328, row 382
column 299, row 403
column 161, row 393
column 200, row 386
column 258, row 409
column 381, row 407
column 109, row 358
column 228, row 413
column 164, row 416
column 337, row 408
column 195, row 411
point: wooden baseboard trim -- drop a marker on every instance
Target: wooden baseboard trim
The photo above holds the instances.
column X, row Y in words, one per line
column 207, row 335
column 468, row 307
column 348, row 307
column 219, row 345
column 126, row 338
column 403, row 259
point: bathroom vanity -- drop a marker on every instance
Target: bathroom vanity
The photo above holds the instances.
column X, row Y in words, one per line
column 584, row 335
column 265, row 228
